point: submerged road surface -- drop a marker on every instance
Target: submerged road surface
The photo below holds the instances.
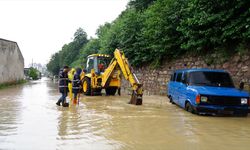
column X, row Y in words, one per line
column 29, row 119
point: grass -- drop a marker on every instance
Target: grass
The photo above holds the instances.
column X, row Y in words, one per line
column 13, row 83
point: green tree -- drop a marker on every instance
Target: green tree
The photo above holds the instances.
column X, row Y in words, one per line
column 69, row 54
column 140, row 4
column 213, row 24
column 129, row 38
column 33, row 73
column 104, row 34
column 159, row 34
column 54, row 64
column 92, row 47
column 123, row 33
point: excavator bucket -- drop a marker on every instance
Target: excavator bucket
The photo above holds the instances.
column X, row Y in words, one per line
column 136, row 99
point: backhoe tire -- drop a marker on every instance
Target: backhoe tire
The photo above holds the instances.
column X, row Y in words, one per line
column 86, row 86
column 98, row 92
column 111, row 90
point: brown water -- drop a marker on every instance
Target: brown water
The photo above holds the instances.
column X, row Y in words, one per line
column 29, row 119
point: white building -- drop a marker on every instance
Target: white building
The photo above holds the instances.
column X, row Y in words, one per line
column 11, row 62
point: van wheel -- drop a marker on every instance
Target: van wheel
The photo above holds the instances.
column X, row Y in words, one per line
column 86, row 86
column 171, row 100
column 189, row 108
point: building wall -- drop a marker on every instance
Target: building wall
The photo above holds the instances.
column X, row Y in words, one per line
column 154, row 80
column 11, row 62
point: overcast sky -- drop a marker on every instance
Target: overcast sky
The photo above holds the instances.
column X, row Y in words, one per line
column 42, row 27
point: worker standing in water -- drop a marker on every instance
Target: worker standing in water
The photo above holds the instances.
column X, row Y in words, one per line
column 71, row 76
column 63, row 85
column 76, row 84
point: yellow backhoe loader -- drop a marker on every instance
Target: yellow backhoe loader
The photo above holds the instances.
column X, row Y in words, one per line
column 102, row 72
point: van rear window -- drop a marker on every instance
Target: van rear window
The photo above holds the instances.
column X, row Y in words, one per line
column 179, row 77
column 173, row 77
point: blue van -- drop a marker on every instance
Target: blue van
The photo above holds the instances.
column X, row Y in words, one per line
column 207, row 91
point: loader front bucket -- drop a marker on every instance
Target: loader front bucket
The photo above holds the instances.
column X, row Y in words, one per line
column 136, row 99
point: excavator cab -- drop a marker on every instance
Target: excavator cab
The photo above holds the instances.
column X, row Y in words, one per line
column 94, row 74
column 98, row 62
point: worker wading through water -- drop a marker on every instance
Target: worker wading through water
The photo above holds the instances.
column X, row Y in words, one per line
column 63, row 85
column 76, row 85
column 71, row 76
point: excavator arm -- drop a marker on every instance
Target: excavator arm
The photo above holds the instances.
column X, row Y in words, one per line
column 120, row 62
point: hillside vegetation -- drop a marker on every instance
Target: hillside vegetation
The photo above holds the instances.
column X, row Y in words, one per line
column 150, row 31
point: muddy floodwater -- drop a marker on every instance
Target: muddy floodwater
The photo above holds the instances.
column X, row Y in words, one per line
column 30, row 119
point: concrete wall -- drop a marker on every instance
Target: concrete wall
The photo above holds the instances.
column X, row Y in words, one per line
column 11, row 62
column 155, row 80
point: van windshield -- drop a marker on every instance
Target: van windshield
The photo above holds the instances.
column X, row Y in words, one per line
column 217, row 79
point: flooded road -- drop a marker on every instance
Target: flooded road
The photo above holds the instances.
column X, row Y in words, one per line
column 30, row 119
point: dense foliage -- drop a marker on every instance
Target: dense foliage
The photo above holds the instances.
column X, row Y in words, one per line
column 149, row 31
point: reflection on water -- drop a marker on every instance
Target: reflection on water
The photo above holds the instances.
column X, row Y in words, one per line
column 29, row 119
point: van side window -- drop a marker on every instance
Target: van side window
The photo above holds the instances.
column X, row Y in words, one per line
column 173, row 77
column 185, row 77
column 179, row 77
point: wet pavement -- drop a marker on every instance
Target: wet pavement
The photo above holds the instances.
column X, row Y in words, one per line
column 29, row 119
